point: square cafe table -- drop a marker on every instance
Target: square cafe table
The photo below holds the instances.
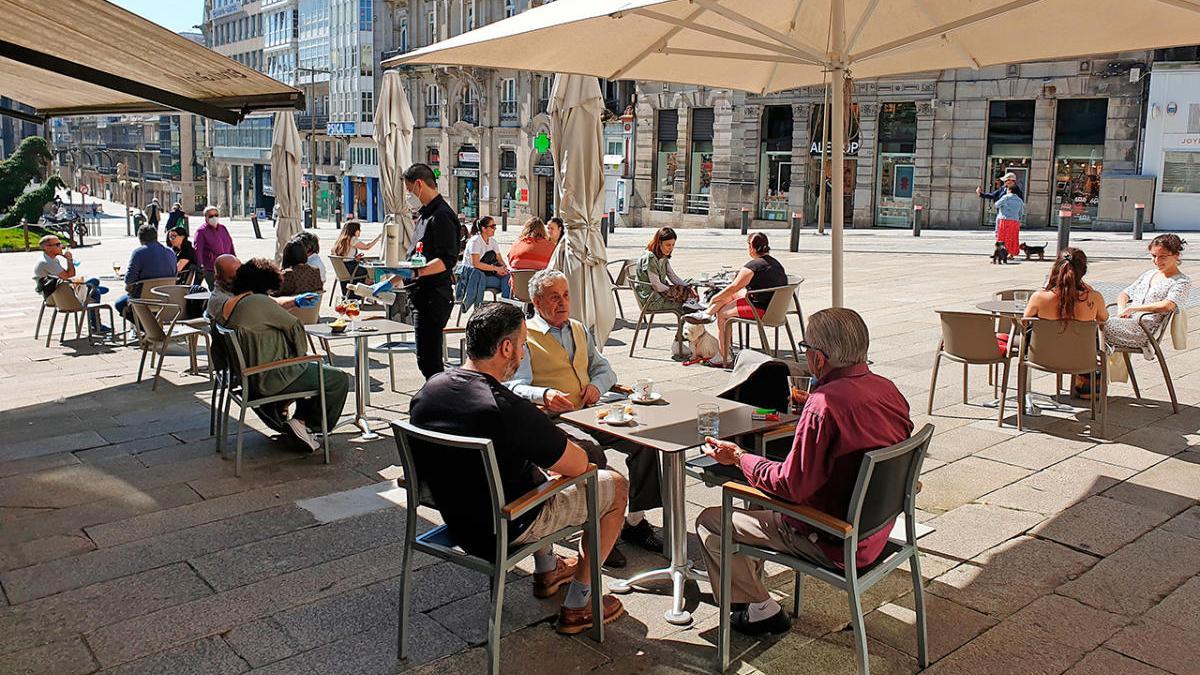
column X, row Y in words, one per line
column 670, row 429
column 362, row 384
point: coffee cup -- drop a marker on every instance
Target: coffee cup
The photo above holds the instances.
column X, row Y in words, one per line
column 616, row 413
column 644, row 388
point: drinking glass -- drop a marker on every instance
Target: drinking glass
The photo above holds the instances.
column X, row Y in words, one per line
column 616, row 412
column 1021, row 299
column 799, row 387
column 116, row 268
column 708, row 419
column 352, row 312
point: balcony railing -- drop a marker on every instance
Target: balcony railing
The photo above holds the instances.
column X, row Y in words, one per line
column 698, row 204
column 508, row 111
column 662, row 201
column 470, row 113
column 433, row 115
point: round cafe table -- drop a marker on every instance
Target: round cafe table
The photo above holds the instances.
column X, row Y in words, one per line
column 1002, row 307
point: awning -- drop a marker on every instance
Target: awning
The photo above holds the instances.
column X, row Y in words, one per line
column 90, row 57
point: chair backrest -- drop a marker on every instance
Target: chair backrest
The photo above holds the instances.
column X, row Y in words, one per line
column 219, row 353
column 338, row 264
column 1062, row 346
column 309, row 315
column 777, row 309
column 64, row 298
column 887, row 485
column 230, row 351
column 148, row 285
column 520, row 282
column 408, row 434
column 172, row 295
column 146, row 315
column 1010, row 293
column 970, row 336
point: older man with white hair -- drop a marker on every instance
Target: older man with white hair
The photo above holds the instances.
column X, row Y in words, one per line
column 851, row 412
column 563, row 371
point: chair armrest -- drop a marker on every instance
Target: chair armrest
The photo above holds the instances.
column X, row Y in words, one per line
column 806, row 514
column 519, row 506
column 295, row 361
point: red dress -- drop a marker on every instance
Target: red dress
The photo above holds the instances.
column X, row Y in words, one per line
column 1009, row 232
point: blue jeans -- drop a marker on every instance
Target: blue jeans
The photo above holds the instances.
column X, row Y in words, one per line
column 502, row 284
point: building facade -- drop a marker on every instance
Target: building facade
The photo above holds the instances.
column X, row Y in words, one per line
column 923, row 141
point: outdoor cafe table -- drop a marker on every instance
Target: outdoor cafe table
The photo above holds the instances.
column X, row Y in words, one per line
column 1010, row 309
column 202, row 296
column 669, row 427
column 368, row 328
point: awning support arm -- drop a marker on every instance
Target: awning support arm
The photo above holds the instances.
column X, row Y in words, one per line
column 21, row 115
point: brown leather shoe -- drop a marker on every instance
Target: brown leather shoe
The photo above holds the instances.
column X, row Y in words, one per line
column 547, row 584
column 572, row 621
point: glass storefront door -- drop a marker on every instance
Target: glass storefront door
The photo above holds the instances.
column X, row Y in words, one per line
column 996, row 168
column 1078, row 160
column 776, row 170
column 894, row 178
column 468, row 197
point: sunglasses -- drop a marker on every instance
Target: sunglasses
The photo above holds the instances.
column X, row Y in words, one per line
column 804, row 346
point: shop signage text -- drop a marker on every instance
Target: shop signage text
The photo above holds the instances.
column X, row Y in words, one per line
column 508, row 174
column 468, row 157
column 539, row 170
column 851, row 148
column 340, row 129
column 463, row 172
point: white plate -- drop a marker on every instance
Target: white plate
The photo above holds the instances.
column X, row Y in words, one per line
column 655, row 396
column 627, row 421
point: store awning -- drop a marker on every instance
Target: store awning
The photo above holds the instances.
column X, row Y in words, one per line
column 90, row 57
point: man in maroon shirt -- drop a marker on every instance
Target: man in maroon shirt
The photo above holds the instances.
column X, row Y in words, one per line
column 850, row 412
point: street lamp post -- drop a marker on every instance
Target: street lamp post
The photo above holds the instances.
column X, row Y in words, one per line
column 312, row 138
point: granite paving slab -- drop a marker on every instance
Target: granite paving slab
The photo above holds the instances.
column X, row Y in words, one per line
column 72, row 519
column 1138, row 576
column 1112, row 663
column 210, row 656
column 1161, row 645
column 1099, row 525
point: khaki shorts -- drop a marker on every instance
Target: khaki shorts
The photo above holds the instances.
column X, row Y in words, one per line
column 569, row 507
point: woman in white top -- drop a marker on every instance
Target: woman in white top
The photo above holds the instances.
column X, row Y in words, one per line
column 1157, row 292
column 483, row 252
column 349, row 248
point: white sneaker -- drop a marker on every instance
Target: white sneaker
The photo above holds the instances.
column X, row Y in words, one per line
column 301, row 431
column 698, row 317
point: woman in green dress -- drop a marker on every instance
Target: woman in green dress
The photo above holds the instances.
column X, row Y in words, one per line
column 661, row 290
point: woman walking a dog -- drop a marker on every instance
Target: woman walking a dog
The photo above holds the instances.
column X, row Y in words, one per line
column 1009, row 209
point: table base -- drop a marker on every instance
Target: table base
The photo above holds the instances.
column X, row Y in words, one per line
column 679, row 576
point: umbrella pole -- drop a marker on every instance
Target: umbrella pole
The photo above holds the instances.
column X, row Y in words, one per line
column 838, row 207
column 824, row 164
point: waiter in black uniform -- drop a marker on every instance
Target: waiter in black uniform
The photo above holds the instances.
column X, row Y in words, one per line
column 431, row 293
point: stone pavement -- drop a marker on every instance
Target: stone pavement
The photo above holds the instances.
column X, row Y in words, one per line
column 126, row 544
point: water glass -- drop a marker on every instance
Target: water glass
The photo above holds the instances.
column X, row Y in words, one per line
column 708, row 419
column 616, row 412
column 799, row 387
column 1021, row 299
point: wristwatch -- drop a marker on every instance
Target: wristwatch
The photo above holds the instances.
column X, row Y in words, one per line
column 737, row 455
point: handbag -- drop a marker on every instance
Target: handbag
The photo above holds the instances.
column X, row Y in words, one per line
column 490, row 258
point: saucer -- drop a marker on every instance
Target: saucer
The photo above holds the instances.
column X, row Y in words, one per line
column 654, row 397
column 627, row 421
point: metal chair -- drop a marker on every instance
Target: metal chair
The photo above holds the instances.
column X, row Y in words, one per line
column 774, row 316
column 520, row 284
column 437, row 542
column 154, row 336
column 794, row 280
column 66, row 300
column 885, row 489
column 309, row 316
column 237, row 391
column 620, row 282
column 341, row 277
column 1154, row 337
column 969, row 338
column 1063, row 348
column 647, row 316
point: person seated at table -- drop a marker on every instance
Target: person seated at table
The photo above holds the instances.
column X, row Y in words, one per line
column 850, row 412
column 350, row 249
column 1156, row 293
column 736, row 300
column 298, row 276
column 483, row 266
column 554, row 231
column 471, row 401
column 266, row 333
column 50, row 272
column 151, row 260
column 532, row 249
column 187, row 264
column 312, row 244
column 563, row 371
column 661, row 289
column 225, row 270
column 1068, row 296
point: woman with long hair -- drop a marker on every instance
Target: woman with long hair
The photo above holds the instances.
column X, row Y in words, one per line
column 187, row 265
column 350, row 250
column 1068, row 297
column 735, row 300
column 554, row 230
column 1157, row 293
column 483, row 266
column 660, row 288
column 532, row 249
column 298, row 276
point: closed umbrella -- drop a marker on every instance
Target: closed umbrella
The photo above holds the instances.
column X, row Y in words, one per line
column 394, row 134
column 576, row 143
column 285, row 179
column 783, row 44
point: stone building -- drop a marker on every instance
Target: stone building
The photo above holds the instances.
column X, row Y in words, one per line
column 703, row 155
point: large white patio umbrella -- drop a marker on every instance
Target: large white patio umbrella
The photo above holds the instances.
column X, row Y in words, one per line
column 773, row 45
column 576, row 135
column 285, row 178
column 394, row 133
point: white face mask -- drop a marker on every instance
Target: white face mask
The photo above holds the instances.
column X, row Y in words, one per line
column 211, row 220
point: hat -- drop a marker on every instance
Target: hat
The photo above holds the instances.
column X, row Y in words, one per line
column 1008, row 176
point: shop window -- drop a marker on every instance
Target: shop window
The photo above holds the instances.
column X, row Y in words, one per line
column 666, row 161
column 775, row 162
column 700, row 160
column 508, row 100
column 509, row 195
column 816, row 127
column 1079, row 131
column 1181, row 172
column 895, row 166
column 1009, row 148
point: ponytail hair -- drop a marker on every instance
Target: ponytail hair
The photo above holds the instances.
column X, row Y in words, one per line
column 759, row 242
column 479, row 224
column 1066, row 281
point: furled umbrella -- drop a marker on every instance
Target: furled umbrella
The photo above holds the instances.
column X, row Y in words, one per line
column 285, row 179
column 576, row 136
column 394, row 133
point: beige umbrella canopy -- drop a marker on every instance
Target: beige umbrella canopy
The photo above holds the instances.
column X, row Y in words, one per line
column 394, row 133
column 766, row 46
column 577, row 135
column 285, row 179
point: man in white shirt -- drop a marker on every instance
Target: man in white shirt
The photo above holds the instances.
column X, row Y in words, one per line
column 49, row 272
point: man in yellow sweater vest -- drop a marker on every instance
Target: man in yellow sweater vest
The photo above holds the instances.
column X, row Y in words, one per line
column 564, row 371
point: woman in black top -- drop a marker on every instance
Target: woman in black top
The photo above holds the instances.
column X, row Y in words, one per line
column 762, row 271
column 187, row 264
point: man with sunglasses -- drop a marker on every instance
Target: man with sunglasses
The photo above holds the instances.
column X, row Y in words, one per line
column 49, row 272
column 850, row 412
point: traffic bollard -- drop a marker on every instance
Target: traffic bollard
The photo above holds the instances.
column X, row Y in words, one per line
column 254, row 223
column 604, row 229
column 794, row 245
column 745, row 220
column 1064, row 230
column 504, row 220
column 1139, row 220
column 612, row 220
column 918, row 210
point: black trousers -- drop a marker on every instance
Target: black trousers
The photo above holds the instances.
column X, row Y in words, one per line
column 431, row 307
column 645, row 489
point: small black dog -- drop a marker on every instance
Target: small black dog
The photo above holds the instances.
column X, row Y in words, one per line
column 1030, row 251
column 1000, row 255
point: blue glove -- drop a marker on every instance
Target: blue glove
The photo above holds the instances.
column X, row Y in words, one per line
column 307, row 300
